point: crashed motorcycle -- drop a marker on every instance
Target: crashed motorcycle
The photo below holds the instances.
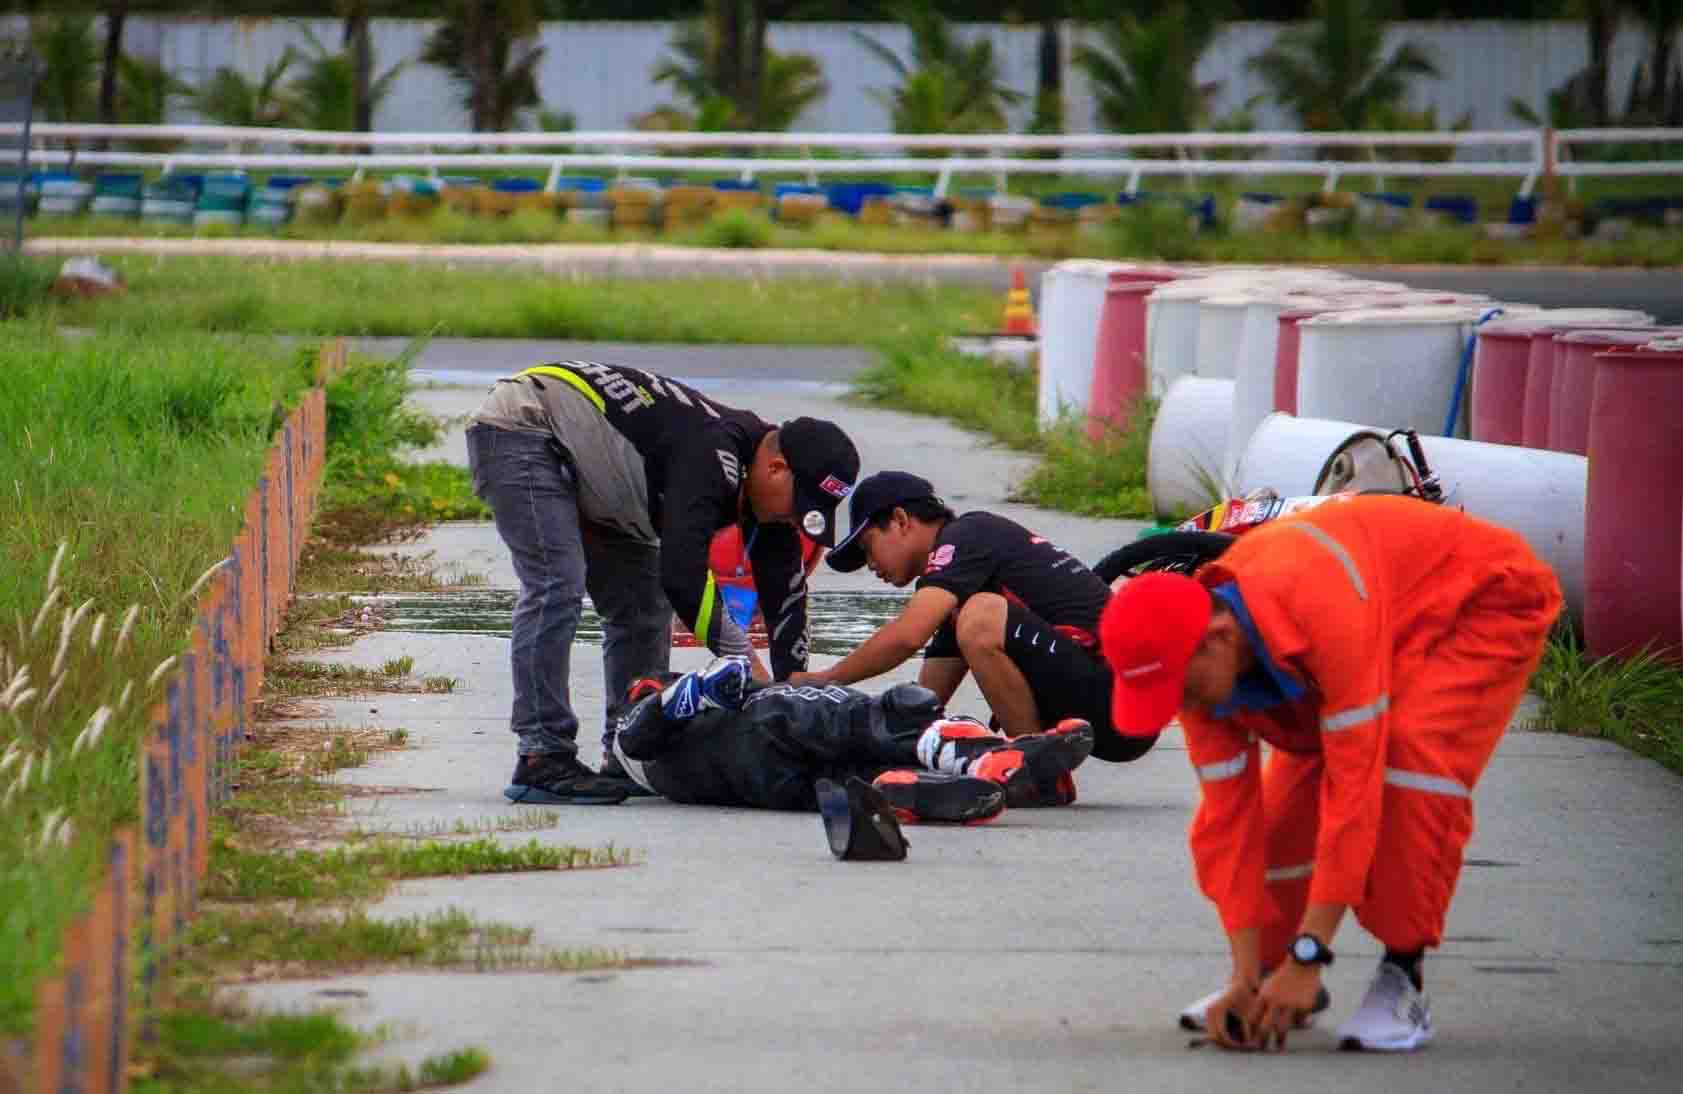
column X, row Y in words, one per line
column 1366, row 462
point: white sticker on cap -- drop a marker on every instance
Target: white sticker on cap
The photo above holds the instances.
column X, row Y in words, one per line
column 835, row 487
column 814, row 523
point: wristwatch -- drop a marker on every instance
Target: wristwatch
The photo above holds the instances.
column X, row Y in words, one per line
column 1306, row 949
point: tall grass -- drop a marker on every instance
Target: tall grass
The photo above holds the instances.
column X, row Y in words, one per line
column 1105, row 477
column 1636, row 701
column 135, row 455
column 357, row 298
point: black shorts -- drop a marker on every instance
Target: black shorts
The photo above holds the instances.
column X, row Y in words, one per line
column 1067, row 680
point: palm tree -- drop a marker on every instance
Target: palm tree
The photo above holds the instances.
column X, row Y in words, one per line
column 1333, row 73
column 950, row 86
column 69, row 61
column 788, row 84
column 230, row 99
column 1142, row 72
column 357, row 43
column 325, row 95
column 490, row 47
column 145, row 90
column 1659, row 99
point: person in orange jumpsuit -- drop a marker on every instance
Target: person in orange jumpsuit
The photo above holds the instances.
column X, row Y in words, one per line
column 1380, row 646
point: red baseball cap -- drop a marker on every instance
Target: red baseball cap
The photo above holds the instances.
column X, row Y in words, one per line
column 1148, row 632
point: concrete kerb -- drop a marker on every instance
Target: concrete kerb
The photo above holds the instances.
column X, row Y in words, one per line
column 83, row 1014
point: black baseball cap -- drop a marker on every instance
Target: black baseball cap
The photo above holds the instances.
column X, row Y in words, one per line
column 825, row 465
column 875, row 494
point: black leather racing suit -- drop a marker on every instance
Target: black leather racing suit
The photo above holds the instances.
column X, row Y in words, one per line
column 768, row 754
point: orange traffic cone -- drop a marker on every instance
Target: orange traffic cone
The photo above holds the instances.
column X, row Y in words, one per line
column 1019, row 313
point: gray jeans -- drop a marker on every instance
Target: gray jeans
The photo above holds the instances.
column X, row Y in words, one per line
column 532, row 490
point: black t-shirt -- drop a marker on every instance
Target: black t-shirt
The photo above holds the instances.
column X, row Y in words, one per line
column 696, row 452
column 984, row 553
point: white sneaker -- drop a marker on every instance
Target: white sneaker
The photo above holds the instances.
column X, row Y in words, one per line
column 1394, row 1016
column 1196, row 1016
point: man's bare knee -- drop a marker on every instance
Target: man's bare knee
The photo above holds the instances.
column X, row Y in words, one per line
column 981, row 623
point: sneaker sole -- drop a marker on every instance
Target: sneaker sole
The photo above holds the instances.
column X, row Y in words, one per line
column 531, row 795
column 956, row 801
column 1416, row 1040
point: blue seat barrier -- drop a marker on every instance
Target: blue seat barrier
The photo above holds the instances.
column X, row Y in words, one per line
column 1522, row 211
column 850, row 197
column 516, row 186
column 1461, row 209
column 1203, row 207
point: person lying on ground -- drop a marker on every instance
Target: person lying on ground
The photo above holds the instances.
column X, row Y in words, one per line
column 717, row 737
column 993, row 599
column 614, row 480
column 1380, row 646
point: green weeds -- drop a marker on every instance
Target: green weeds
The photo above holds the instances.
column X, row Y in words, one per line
column 1636, row 701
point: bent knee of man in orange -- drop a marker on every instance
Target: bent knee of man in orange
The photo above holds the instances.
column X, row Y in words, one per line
column 1450, row 708
column 1291, row 805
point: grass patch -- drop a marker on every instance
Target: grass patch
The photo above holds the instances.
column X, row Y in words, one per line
column 1097, row 478
column 227, row 1051
column 24, row 282
column 363, row 873
column 1636, row 701
column 398, row 666
column 375, row 298
column 526, row 820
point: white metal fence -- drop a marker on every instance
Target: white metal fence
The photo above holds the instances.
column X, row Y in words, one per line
column 1522, row 155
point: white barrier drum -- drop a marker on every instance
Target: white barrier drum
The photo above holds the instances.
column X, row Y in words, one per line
column 1394, row 365
column 1536, row 493
column 1071, row 301
column 1188, row 446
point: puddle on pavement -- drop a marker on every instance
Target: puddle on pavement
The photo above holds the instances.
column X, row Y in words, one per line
column 840, row 620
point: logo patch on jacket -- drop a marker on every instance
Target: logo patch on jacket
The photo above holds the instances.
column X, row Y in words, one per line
column 730, row 465
column 942, row 556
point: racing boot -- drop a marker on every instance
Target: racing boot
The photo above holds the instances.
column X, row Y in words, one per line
column 935, row 797
column 1035, row 768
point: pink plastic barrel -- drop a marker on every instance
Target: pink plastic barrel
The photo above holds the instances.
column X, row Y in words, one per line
column 1539, row 387
column 1119, row 375
column 1633, row 534
column 1501, row 364
column 1574, row 379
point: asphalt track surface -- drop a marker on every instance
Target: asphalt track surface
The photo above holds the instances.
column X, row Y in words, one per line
column 1656, row 291
column 1049, row 951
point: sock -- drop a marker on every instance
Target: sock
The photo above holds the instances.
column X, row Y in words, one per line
column 1409, row 963
column 939, row 752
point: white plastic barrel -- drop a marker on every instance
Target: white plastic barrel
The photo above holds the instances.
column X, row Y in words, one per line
column 1188, row 445
column 1071, row 301
column 1536, row 493
column 1221, row 329
column 1172, row 322
column 1392, row 365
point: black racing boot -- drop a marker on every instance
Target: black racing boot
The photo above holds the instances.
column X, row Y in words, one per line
column 935, row 797
column 557, row 778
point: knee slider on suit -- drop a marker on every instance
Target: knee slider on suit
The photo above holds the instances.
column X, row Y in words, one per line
column 909, row 707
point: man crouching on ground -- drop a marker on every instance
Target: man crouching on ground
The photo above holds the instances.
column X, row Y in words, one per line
column 992, row 599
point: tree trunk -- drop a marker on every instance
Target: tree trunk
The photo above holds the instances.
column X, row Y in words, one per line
column 1602, row 17
column 116, row 14
column 484, row 63
column 760, row 12
column 362, row 63
column 727, row 48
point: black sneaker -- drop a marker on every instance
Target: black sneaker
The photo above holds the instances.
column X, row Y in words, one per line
column 558, row 778
column 614, row 770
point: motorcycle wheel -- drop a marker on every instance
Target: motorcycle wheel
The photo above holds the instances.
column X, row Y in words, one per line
column 1172, row 552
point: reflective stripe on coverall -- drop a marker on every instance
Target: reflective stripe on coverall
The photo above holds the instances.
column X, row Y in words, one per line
column 1415, row 629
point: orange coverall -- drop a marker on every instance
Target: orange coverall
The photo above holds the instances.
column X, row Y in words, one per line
column 1413, row 630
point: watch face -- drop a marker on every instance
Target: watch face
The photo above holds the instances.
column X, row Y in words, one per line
column 1305, row 950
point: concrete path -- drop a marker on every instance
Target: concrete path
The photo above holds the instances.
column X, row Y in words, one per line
column 1049, row 951
column 1657, row 291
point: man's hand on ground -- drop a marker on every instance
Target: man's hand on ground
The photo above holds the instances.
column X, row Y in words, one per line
column 1225, row 1022
column 1286, row 996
